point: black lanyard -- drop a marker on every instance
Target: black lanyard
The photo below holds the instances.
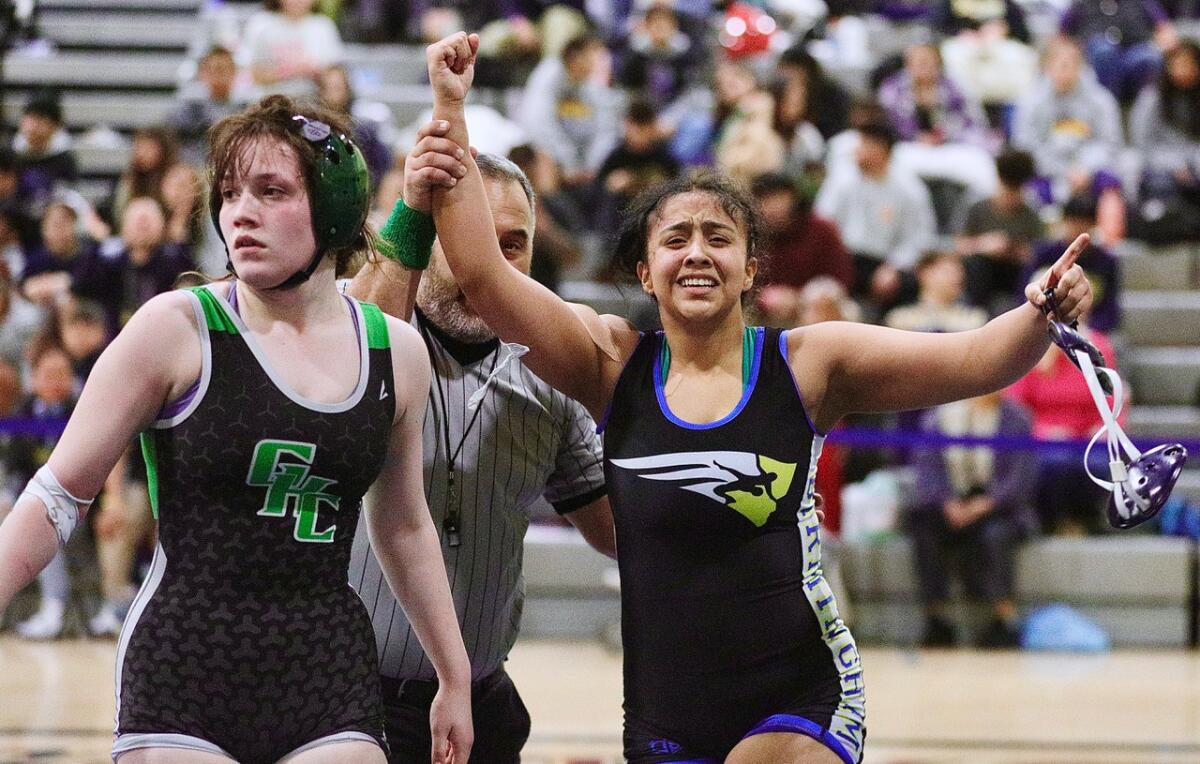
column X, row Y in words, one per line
column 450, row 525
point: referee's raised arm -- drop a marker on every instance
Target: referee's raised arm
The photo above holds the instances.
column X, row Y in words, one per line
column 408, row 236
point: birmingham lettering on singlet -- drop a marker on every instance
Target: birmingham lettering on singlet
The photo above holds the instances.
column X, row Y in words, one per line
column 289, row 483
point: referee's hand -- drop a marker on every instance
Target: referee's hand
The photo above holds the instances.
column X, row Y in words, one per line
column 434, row 162
column 450, row 725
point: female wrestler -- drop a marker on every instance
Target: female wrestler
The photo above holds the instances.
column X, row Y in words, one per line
column 270, row 405
column 734, row 649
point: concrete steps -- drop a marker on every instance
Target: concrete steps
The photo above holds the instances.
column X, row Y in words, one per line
column 74, row 30
column 1160, row 318
column 1163, row 375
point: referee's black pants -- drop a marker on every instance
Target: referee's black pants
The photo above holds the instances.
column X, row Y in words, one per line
column 500, row 718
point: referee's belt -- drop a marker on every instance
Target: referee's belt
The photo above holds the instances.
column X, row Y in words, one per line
column 421, row 691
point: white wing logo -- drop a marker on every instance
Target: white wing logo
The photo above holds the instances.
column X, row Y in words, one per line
column 748, row 483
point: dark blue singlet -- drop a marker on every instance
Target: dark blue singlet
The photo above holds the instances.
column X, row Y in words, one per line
column 729, row 626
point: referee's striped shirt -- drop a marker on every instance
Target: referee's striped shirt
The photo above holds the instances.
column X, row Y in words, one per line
column 528, row 441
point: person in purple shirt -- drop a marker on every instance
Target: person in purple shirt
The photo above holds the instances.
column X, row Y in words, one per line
column 125, row 272
column 1124, row 40
column 924, row 105
column 976, row 502
column 1101, row 266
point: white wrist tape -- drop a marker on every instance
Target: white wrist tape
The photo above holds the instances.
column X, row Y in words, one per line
column 63, row 509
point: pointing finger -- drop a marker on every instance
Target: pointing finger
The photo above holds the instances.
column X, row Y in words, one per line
column 1067, row 259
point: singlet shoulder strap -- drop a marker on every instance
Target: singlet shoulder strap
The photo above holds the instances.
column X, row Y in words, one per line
column 377, row 330
column 214, row 315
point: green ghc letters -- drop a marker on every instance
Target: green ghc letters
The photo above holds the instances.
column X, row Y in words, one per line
column 282, row 467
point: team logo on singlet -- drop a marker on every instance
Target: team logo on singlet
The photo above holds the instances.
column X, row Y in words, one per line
column 282, row 467
column 750, row 484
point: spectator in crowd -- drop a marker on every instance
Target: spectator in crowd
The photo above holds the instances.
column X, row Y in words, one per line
column 188, row 222
column 51, row 400
column 804, row 146
column 152, row 154
column 82, row 332
column 1123, row 40
column 554, row 247
column 639, row 161
column 748, row 144
column 954, row 17
column 885, row 218
column 923, row 104
column 996, row 238
column 50, row 268
column 20, row 321
column 287, row 45
column 183, row 203
column 568, row 113
column 987, row 52
column 203, row 106
column 1164, row 128
column 129, row 270
column 44, row 150
column 1072, row 126
column 661, row 64
column 1057, row 397
column 1101, row 266
column 18, row 201
column 12, row 250
column 816, row 98
column 945, row 133
column 11, row 394
column 373, row 127
column 798, row 246
column 973, row 501
column 695, row 141
column 939, row 306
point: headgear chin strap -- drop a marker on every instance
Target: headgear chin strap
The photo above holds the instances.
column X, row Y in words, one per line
column 1141, row 482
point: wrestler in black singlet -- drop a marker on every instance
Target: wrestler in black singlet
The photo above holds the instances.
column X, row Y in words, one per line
column 246, row 635
column 729, row 627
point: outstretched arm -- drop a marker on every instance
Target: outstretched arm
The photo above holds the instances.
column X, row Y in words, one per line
column 845, row 367
column 571, row 347
column 409, row 552
column 160, row 344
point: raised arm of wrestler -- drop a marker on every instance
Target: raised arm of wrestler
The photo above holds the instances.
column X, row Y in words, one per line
column 571, row 347
column 839, row 367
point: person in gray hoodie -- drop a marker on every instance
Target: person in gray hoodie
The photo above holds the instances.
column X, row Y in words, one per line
column 1070, row 124
column 568, row 114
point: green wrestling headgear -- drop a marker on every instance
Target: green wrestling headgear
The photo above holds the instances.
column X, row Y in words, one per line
column 339, row 193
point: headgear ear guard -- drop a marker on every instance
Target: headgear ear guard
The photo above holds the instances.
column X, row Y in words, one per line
column 1141, row 482
column 339, row 195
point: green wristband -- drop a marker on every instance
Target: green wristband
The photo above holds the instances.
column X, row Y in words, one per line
column 408, row 237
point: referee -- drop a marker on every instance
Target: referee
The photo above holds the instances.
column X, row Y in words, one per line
column 496, row 439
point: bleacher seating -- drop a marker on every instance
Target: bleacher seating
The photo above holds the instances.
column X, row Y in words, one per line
column 1138, row 588
column 118, row 63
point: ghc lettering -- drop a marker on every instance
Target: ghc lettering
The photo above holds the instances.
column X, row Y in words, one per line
column 288, row 484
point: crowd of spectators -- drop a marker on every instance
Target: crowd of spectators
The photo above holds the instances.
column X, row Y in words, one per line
column 916, row 161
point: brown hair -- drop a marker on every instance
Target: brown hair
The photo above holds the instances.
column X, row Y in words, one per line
column 229, row 151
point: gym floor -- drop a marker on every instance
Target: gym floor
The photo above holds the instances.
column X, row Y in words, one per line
column 943, row 707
